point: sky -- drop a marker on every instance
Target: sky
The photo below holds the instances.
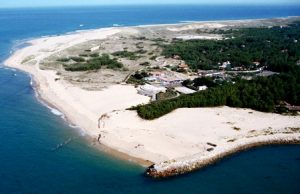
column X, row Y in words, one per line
column 45, row 3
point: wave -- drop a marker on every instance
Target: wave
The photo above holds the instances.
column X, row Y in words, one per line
column 62, row 115
column 56, row 112
column 19, row 44
column 32, row 82
column 53, row 110
column 7, row 68
column 117, row 25
column 73, row 126
column 188, row 21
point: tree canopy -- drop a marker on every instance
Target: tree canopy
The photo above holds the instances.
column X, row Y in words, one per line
column 276, row 47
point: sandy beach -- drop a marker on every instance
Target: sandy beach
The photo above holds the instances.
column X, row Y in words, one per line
column 184, row 137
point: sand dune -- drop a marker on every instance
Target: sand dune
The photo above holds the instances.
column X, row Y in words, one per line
column 183, row 135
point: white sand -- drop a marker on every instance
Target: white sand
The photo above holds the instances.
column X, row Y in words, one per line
column 183, row 133
column 194, row 26
column 197, row 37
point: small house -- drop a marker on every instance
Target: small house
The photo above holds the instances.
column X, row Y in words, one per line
column 201, row 88
column 183, row 66
column 184, row 90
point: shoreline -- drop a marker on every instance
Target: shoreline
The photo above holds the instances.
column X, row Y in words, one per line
column 28, row 40
column 100, row 147
column 125, row 135
column 168, row 171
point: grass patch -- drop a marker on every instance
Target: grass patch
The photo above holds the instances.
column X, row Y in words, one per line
column 167, row 95
column 77, row 59
column 27, row 59
column 83, row 55
column 95, row 63
column 237, row 128
column 231, row 140
column 153, row 58
column 94, row 55
column 141, row 51
column 63, row 60
column 145, row 64
column 137, row 78
column 126, row 54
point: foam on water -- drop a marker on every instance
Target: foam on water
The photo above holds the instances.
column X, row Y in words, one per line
column 7, row 68
column 188, row 21
column 117, row 25
column 52, row 110
column 56, row 112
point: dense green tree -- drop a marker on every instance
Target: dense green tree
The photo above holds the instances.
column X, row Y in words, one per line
column 275, row 47
column 261, row 94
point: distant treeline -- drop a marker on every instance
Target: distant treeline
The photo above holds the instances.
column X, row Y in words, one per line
column 276, row 47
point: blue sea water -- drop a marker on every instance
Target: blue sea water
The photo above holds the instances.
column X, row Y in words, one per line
column 29, row 131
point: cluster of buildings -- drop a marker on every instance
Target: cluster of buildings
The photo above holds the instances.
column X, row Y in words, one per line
column 240, row 69
column 174, row 62
column 166, row 78
column 159, row 80
column 185, row 90
column 210, row 73
column 226, row 72
column 224, row 65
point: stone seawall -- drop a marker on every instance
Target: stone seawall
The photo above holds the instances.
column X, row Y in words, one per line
column 175, row 168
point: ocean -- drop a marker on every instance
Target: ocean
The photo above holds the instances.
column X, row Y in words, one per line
column 30, row 132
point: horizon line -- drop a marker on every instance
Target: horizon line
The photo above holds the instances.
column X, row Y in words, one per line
column 154, row 4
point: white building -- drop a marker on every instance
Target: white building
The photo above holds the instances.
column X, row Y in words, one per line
column 166, row 78
column 224, row 65
column 201, row 88
column 184, row 90
column 151, row 79
column 151, row 91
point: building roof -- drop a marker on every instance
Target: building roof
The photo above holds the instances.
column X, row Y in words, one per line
column 183, row 65
column 148, row 87
column 184, row 90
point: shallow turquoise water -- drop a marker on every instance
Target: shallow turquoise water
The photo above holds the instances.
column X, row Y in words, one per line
column 29, row 131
